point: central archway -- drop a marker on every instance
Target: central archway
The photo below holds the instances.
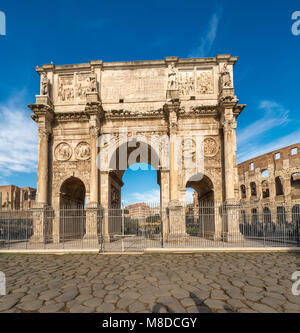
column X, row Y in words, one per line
column 130, row 155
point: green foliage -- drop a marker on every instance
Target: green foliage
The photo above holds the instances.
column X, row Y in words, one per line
column 192, row 231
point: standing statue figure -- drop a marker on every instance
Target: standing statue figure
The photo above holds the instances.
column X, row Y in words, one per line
column 93, row 81
column 44, row 85
column 226, row 77
column 172, row 78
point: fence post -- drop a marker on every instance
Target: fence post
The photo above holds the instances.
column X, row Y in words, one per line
column 8, row 230
column 26, row 230
column 123, row 226
column 161, row 227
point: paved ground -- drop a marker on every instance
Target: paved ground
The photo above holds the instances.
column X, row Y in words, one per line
column 150, row 283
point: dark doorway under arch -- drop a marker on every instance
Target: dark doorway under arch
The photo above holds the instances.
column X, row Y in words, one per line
column 72, row 222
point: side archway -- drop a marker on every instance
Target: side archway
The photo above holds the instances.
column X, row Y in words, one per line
column 204, row 210
column 72, row 219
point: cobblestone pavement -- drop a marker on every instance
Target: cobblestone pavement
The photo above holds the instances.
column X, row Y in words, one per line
column 219, row 282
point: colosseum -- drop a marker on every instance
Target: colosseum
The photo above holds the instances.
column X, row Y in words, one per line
column 270, row 185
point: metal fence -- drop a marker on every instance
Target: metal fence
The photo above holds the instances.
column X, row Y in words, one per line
column 208, row 225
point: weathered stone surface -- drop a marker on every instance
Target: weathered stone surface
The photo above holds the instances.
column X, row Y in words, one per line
column 154, row 295
column 30, row 306
column 52, row 308
column 105, row 308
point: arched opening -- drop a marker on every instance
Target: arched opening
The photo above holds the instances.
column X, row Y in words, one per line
column 72, row 193
column 72, row 214
column 253, row 189
column 295, row 185
column 296, row 215
column 254, row 216
column 134, row 201
column 243, row 191
column 265, row 189
column 267, row 216
column 278, row 186
column 281, row 215
column 201, row 219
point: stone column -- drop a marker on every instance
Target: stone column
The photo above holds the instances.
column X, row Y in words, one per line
column 94, row 133
column 43, row 115
column 104, row 193
column 42, row 172
column 93, row 108
column 177, row 228
column 218, row 222
column 176, row 216
column 7, row 200
column 21, row 199
column 164, row 197
column 13, row 203
column 0, row 201
column 232, row 232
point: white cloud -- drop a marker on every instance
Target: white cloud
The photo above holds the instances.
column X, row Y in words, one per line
column 274, row 115
column 207, row 41
column 151, row 196
column 253, row 150
column 18, row 138
column 252, row 141
column 189, row 196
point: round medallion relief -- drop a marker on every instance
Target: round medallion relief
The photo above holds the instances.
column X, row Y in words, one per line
column 210, row 147
column 63, row 151
column 82, row 151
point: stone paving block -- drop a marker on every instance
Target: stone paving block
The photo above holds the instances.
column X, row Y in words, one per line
column 48, row 295
column 52, row 308
column 8, row 304
column 30, row 306
column 218, row 294
column 253, row 296
column 105, row 308
column 67, row 296
column 262, row 308
column 93, row 302
column 236, row 304
column 214, row 304
column 272, row 302
column 81, row 309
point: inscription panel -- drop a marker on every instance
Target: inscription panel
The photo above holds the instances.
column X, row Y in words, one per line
column 136, row 84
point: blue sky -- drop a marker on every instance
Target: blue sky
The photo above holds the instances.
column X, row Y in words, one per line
column 259, row 32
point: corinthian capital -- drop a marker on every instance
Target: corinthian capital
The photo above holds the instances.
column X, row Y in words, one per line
column 94, row 131
column 44, row 132
column 229, row 125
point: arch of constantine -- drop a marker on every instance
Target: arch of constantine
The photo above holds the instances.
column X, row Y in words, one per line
column 177, row 114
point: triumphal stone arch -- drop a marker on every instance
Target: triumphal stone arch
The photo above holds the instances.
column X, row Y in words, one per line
column 96, row 119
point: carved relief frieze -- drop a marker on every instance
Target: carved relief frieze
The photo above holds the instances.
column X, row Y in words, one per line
column 115, row 197
column 186, row 84
column 82, row 151
column 211, row 147
column 66, row 87
column 204, row 82
column 82, row 85
column 63, row 152
column 195, row 82
column 75, row 86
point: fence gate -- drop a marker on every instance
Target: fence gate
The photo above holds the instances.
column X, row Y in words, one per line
column 134, row 229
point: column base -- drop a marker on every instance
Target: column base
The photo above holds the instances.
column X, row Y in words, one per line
column 236, row 237
column 36, row 240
